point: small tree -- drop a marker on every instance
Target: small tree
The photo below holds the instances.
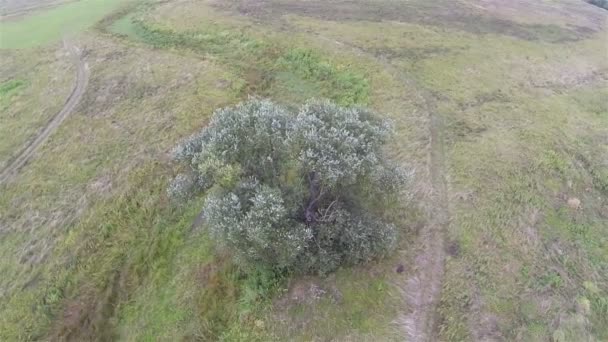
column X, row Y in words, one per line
column 293, row 190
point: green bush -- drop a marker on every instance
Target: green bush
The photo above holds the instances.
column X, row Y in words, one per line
column 292, row 191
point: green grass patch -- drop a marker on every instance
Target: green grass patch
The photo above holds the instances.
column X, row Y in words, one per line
column 198, row 296
column 270, row 68
column 7, row 90
column 53, row 24
column 125, row 27
column 220, row 42
column 352, row 304
column 342, row 85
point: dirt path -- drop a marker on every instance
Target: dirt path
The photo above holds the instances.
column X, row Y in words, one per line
column 422, row 290
column 28, row 151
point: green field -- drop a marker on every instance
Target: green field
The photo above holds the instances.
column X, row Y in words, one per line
column 506, row 104
column 52, row 25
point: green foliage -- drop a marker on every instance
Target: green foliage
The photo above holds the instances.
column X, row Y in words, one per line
column 124, row 26
column 286, row 187
column 347, row 239
column 551, row 280
column 340, row 144
column 7, row 90
column 255, row 224
column 224, row 43
column 257, row 289
column 8, row 87
column 352, row 87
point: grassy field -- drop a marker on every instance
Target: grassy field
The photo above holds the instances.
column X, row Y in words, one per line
column 51, row 25
column 92, row 248
column 33, row 88
column 524, row 136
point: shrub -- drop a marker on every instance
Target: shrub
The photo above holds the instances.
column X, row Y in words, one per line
column 293, row 191
column 347, row 238
column 253, row 222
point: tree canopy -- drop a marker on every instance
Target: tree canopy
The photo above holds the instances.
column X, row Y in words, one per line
column 293, row 190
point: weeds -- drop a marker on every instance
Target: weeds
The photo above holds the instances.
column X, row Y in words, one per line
column 347, row 87
column 7, row 89
column 138, row 241
column 264, row 64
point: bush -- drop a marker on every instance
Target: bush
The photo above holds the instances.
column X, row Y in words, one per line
column 292, row 191
column 254, row 222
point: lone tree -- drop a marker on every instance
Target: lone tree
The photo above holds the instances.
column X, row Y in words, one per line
column 293, row 191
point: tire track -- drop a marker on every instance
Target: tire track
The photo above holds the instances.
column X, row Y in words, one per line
column 28, row 151
column 422, row 291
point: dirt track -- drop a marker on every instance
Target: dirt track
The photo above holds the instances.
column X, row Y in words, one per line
column 28, row 151
column 422, row 290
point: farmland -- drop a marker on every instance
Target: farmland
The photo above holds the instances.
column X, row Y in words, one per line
column 500, row 111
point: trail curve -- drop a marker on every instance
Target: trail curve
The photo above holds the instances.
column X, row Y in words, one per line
column 72, row 101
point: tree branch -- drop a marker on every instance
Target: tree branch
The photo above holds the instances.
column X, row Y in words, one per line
column 315, row 194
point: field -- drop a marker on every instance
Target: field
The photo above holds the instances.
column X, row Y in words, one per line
column 500, row 108
column 39, row 28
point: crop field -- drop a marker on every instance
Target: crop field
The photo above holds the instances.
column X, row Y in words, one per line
column 500, row 111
